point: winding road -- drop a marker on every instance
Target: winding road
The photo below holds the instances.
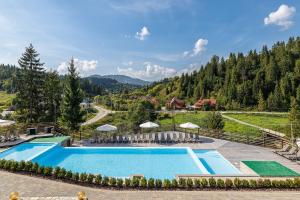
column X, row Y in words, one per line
column 102, row 112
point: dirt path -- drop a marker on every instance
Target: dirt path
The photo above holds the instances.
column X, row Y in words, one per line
column 102, row 112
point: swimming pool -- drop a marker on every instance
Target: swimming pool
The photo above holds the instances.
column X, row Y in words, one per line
column 152, row 162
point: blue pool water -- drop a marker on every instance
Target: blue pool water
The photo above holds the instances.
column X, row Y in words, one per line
column 24, row 151
column 124, row 161
column 215, row 163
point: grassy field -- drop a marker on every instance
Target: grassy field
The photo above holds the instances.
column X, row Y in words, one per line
column 5, row 100
column 273, row 122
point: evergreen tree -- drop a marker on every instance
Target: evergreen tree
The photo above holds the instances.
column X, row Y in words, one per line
column 261, row 102
column 294, row 120
column 72, row 115
column 30, row 84
column 52, row 92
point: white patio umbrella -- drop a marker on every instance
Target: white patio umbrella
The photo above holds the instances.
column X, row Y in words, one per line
column 107, row 128
column 149, row 125
column 6, row 122
column 189, row 125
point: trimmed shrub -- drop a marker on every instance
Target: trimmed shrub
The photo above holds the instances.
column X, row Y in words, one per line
column 245, row 183
column 22, row 165
column 260, row 183
column 62, row 173
column 82, row 177
column 143, row 182
column 182, row 183
column 197, row 183
column 98, row 179
column 267, row 183
column 228, row 183
column 189, row 183
column 204, row 183
column 112, row 181
column 127, row 182
column 220, row 183
column 14, row 166
column 252, row 183
column 135, row 182
column 158, row 183
column 237, row 183
column 75, row 177
column 35, row 167
column 151, row 183
column 28, row 166
column 90, row 178
column 105, row 181
column 289, row 183
column 47, row 171
column 7, row 164
column 296, row 182
column 212, row 182
column 69, row 175
column 41, row 170
column 56, row 172
column 174, row 183
column 167, row 184
column 2, row 162
column 120, row 183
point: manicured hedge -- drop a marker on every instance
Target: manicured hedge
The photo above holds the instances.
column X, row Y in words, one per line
column 143, row 183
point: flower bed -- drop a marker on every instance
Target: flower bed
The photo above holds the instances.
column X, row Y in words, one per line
column 143, row 183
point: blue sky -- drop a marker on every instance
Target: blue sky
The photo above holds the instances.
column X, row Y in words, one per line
column 145, row 39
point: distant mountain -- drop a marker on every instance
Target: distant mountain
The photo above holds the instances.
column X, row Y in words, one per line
column 109, row 84
column 127, row 80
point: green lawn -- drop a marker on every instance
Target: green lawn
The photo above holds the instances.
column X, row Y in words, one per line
column 269, row 168
column 5, row 100
column 273, row 122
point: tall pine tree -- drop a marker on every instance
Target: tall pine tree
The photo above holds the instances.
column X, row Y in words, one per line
column 30, row 82
column 72, row 115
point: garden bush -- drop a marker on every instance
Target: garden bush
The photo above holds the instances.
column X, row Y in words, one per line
column 189, row 183
column 228, row 183
column 7, row 165
column 35, row 167
column 75, row 177
column 14, row 166
column 56, row 172
column 267, row 183
column 83, row 177
column 182, row 183
column 237, row 183
column 22, row 165
column 158, row 183
column 90, row 178
column 197, row 183
column 135, row 182
column 245, row 183
column 112, row 181
column 143, row 182
column 253, row 183
column 47, row 171
column 105, row 181
column 28, row 166
column 204, row 183
column 296, row 182
column 2, row 162
column 98, row 179
column 220, row 183
column 120, row 183
column 260, row 183
column 212, row 182
column 289, row 183
column 62, row 173
column 151, row 183
column 69, row 175
column 127, row 182
column 41, row 170
column 167, row 184
column 174, row 183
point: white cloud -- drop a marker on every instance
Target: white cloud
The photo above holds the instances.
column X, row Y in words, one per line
column 281, row 17
column 84, row 67
column 150, row 72
column 199, row 48
column 143, row 34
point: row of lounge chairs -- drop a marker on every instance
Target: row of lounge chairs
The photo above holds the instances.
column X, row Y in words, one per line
column 291, row 153
column 164, row 137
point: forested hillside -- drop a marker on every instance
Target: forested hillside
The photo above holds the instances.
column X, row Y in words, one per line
column 265, row 80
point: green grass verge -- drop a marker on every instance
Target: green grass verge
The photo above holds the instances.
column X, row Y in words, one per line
column 5, row 100
column 51, row 139
column 273, row 122
column 269, row 168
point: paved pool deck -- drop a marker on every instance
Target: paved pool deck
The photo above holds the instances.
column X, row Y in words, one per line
column 37, row 187
column 232, row 151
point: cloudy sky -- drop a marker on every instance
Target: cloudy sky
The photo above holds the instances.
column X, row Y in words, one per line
column 149, row 39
